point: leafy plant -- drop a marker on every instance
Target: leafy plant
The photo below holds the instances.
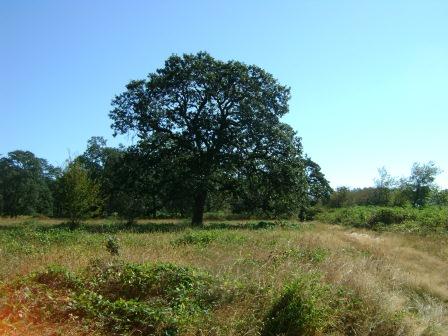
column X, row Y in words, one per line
column 304, row 308
column 78, row 194
column 112, row 246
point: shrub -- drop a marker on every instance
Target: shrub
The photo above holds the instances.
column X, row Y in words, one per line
column 164, row 281
column 386, row 216
column 129, row 299
column 200, row 238
column 78, row 195
column 263, row 225
column 112, row 246
column 302, row 309
column 57, row 277
column 310, row 307
column 424, row 220
column 126, row 316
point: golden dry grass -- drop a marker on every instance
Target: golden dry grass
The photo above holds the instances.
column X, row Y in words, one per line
column 397, row 275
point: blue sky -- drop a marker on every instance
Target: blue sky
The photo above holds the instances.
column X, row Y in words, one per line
column 369, row 79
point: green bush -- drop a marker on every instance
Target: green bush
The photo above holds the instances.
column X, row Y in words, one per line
column 57, row 277
column 126, row 316
column 128, row 299
column 424, row 220
column 162, row 281
column 112, row 246
column 203, row 238
column 387, row 216
column 200, row 238
column 310, row 307
column 302, row 309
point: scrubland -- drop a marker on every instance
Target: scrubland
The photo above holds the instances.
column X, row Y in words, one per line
column 229, row 278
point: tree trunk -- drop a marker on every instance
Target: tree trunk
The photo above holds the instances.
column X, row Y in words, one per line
column 198, row 208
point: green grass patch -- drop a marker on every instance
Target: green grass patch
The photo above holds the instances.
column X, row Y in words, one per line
column 203, row 238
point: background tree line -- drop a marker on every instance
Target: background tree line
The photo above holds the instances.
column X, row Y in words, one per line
column 136, row 182
column 417, row 190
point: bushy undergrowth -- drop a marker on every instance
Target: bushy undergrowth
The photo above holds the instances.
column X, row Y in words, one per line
column 202, row 238
column 165, row 299
column 126, row 298
column 425, row 220
column 304, row 308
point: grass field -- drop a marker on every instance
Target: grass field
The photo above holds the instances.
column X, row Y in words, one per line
column 230, row 278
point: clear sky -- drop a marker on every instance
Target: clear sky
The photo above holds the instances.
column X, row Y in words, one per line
column 369, row 79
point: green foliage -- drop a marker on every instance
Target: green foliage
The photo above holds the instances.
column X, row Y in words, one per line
column 425, row 220
column 417, row 190
column 134, row 184
column 124, row 299
column 216, row 121
column 29, row 239
column 309, row 306
column 319, row 190
column 26, row 183
column 304, row 308
column 78, row 195
column 202, row 238
column 112, row 246
column 421, row 181
column 123, row 317
column 57, row 277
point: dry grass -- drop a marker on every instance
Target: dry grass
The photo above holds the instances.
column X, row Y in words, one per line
column 398, row 276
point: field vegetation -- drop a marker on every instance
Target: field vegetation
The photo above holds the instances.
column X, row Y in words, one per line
column 227, row 278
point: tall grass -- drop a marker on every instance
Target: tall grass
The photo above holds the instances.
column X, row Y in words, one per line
column 230, row 278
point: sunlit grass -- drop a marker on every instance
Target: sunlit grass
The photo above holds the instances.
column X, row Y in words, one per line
column 374, row 283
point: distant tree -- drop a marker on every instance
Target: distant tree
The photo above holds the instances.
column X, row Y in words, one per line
column 95, row 156
column 384, row 184
column 100, row 162
column 340, row 198
column 319, row 190
column 77, row 194
column 25, row 184
column 215, row 120
column 438, row 197
column 422, row 180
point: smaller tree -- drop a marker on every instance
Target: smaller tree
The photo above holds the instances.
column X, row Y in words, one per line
column 78, row 195
column 319, row 190
column 422, row 180
column 340, row 198
column 438, row 197
column 384, row 184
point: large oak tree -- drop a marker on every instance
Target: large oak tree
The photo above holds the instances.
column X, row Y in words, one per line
column 214, row 121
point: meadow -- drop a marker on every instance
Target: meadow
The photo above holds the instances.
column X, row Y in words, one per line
column 232, row 277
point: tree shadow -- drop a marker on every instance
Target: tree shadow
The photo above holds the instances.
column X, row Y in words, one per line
column 261, row 225
column 120, row 227
column 9, row 227
column 150, row 227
